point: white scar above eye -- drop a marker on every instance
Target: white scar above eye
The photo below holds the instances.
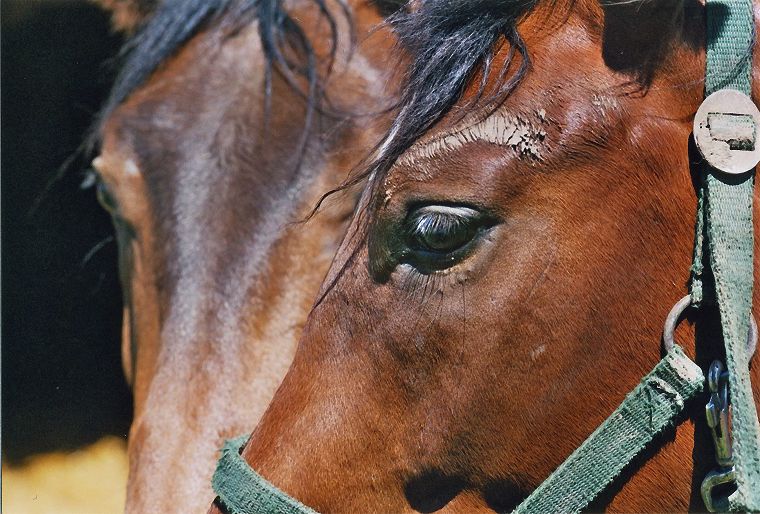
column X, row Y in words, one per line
column 516, row 131
column 131, row 169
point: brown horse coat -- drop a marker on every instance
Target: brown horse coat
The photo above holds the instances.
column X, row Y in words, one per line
column 207, row 192
column 456, row 376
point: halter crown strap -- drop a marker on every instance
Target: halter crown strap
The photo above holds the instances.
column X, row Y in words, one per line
column 724, row 222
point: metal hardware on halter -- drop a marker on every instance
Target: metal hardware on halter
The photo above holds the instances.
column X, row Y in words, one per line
column 713, row 480
column 726, row 131
column 717, row 412
column 674, row 316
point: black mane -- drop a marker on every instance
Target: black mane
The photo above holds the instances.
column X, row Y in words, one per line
column 448, row 42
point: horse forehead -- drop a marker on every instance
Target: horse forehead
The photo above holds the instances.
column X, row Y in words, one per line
column 518, row 137
column 192, row 91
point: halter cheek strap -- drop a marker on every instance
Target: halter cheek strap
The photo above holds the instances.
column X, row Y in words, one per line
column 652, row 407
column 724, row 223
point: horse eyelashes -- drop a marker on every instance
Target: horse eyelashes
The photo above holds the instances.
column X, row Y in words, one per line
column 442, row 229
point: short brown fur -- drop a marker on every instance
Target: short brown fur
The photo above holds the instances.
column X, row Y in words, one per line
column 464, row 393
column 217, row 271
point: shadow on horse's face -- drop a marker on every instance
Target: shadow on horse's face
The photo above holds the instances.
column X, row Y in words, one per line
column 218, row 278
column 505, row 283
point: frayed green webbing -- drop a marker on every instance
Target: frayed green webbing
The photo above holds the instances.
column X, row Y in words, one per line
column 243, row 491
column 653, row 406
column 724, row 221
column 730, row 38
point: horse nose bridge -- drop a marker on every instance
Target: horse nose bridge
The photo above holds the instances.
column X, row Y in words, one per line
column 170, row 470
column 174, row 439
column 212, row 380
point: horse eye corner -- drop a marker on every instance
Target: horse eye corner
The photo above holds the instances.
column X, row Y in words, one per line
column 106, row 198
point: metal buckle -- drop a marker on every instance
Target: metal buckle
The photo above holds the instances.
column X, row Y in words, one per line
column 674, row 316
column 717, row 410
column 725, row 130
column 712, row 480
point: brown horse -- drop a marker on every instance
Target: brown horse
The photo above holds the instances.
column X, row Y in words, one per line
column 207, row 168
column 504, row 282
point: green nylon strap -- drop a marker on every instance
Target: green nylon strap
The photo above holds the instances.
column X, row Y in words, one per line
column 651, row 407
column 730, row 38
column 243, row 491
column 724, row 222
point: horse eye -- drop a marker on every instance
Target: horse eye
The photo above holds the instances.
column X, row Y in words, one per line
column 105, row 198
column 442, row 229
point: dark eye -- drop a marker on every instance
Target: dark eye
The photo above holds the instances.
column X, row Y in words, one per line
column 442, row 229
column 429, row 239
column 105, row 198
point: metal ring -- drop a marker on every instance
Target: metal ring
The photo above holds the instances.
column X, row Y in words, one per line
column 671, row 322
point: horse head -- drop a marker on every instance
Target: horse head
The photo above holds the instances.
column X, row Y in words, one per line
column 223, row 129
column 523, row 232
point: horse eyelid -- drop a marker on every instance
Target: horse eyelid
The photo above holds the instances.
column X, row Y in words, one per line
column 105, row 198
column 442, row 220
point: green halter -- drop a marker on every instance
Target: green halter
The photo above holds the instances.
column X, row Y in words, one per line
column 725, row 219
column 724, row 243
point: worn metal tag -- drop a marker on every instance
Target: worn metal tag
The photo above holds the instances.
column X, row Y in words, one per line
column 726, row 131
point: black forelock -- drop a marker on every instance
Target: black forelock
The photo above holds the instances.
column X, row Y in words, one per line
column 174, row 22
column 448, row 42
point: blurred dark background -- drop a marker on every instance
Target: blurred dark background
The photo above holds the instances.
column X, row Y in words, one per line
column 62, row 384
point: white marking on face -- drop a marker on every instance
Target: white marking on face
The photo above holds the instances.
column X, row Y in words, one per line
column 375, row 80
column 98, row 163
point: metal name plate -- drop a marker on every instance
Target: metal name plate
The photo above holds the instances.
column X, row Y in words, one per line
column 726, row 131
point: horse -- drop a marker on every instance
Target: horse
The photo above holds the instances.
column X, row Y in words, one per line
column 224, row 126
column 521, row 237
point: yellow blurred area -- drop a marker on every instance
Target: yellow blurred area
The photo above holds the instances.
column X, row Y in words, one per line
column 88, row 481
